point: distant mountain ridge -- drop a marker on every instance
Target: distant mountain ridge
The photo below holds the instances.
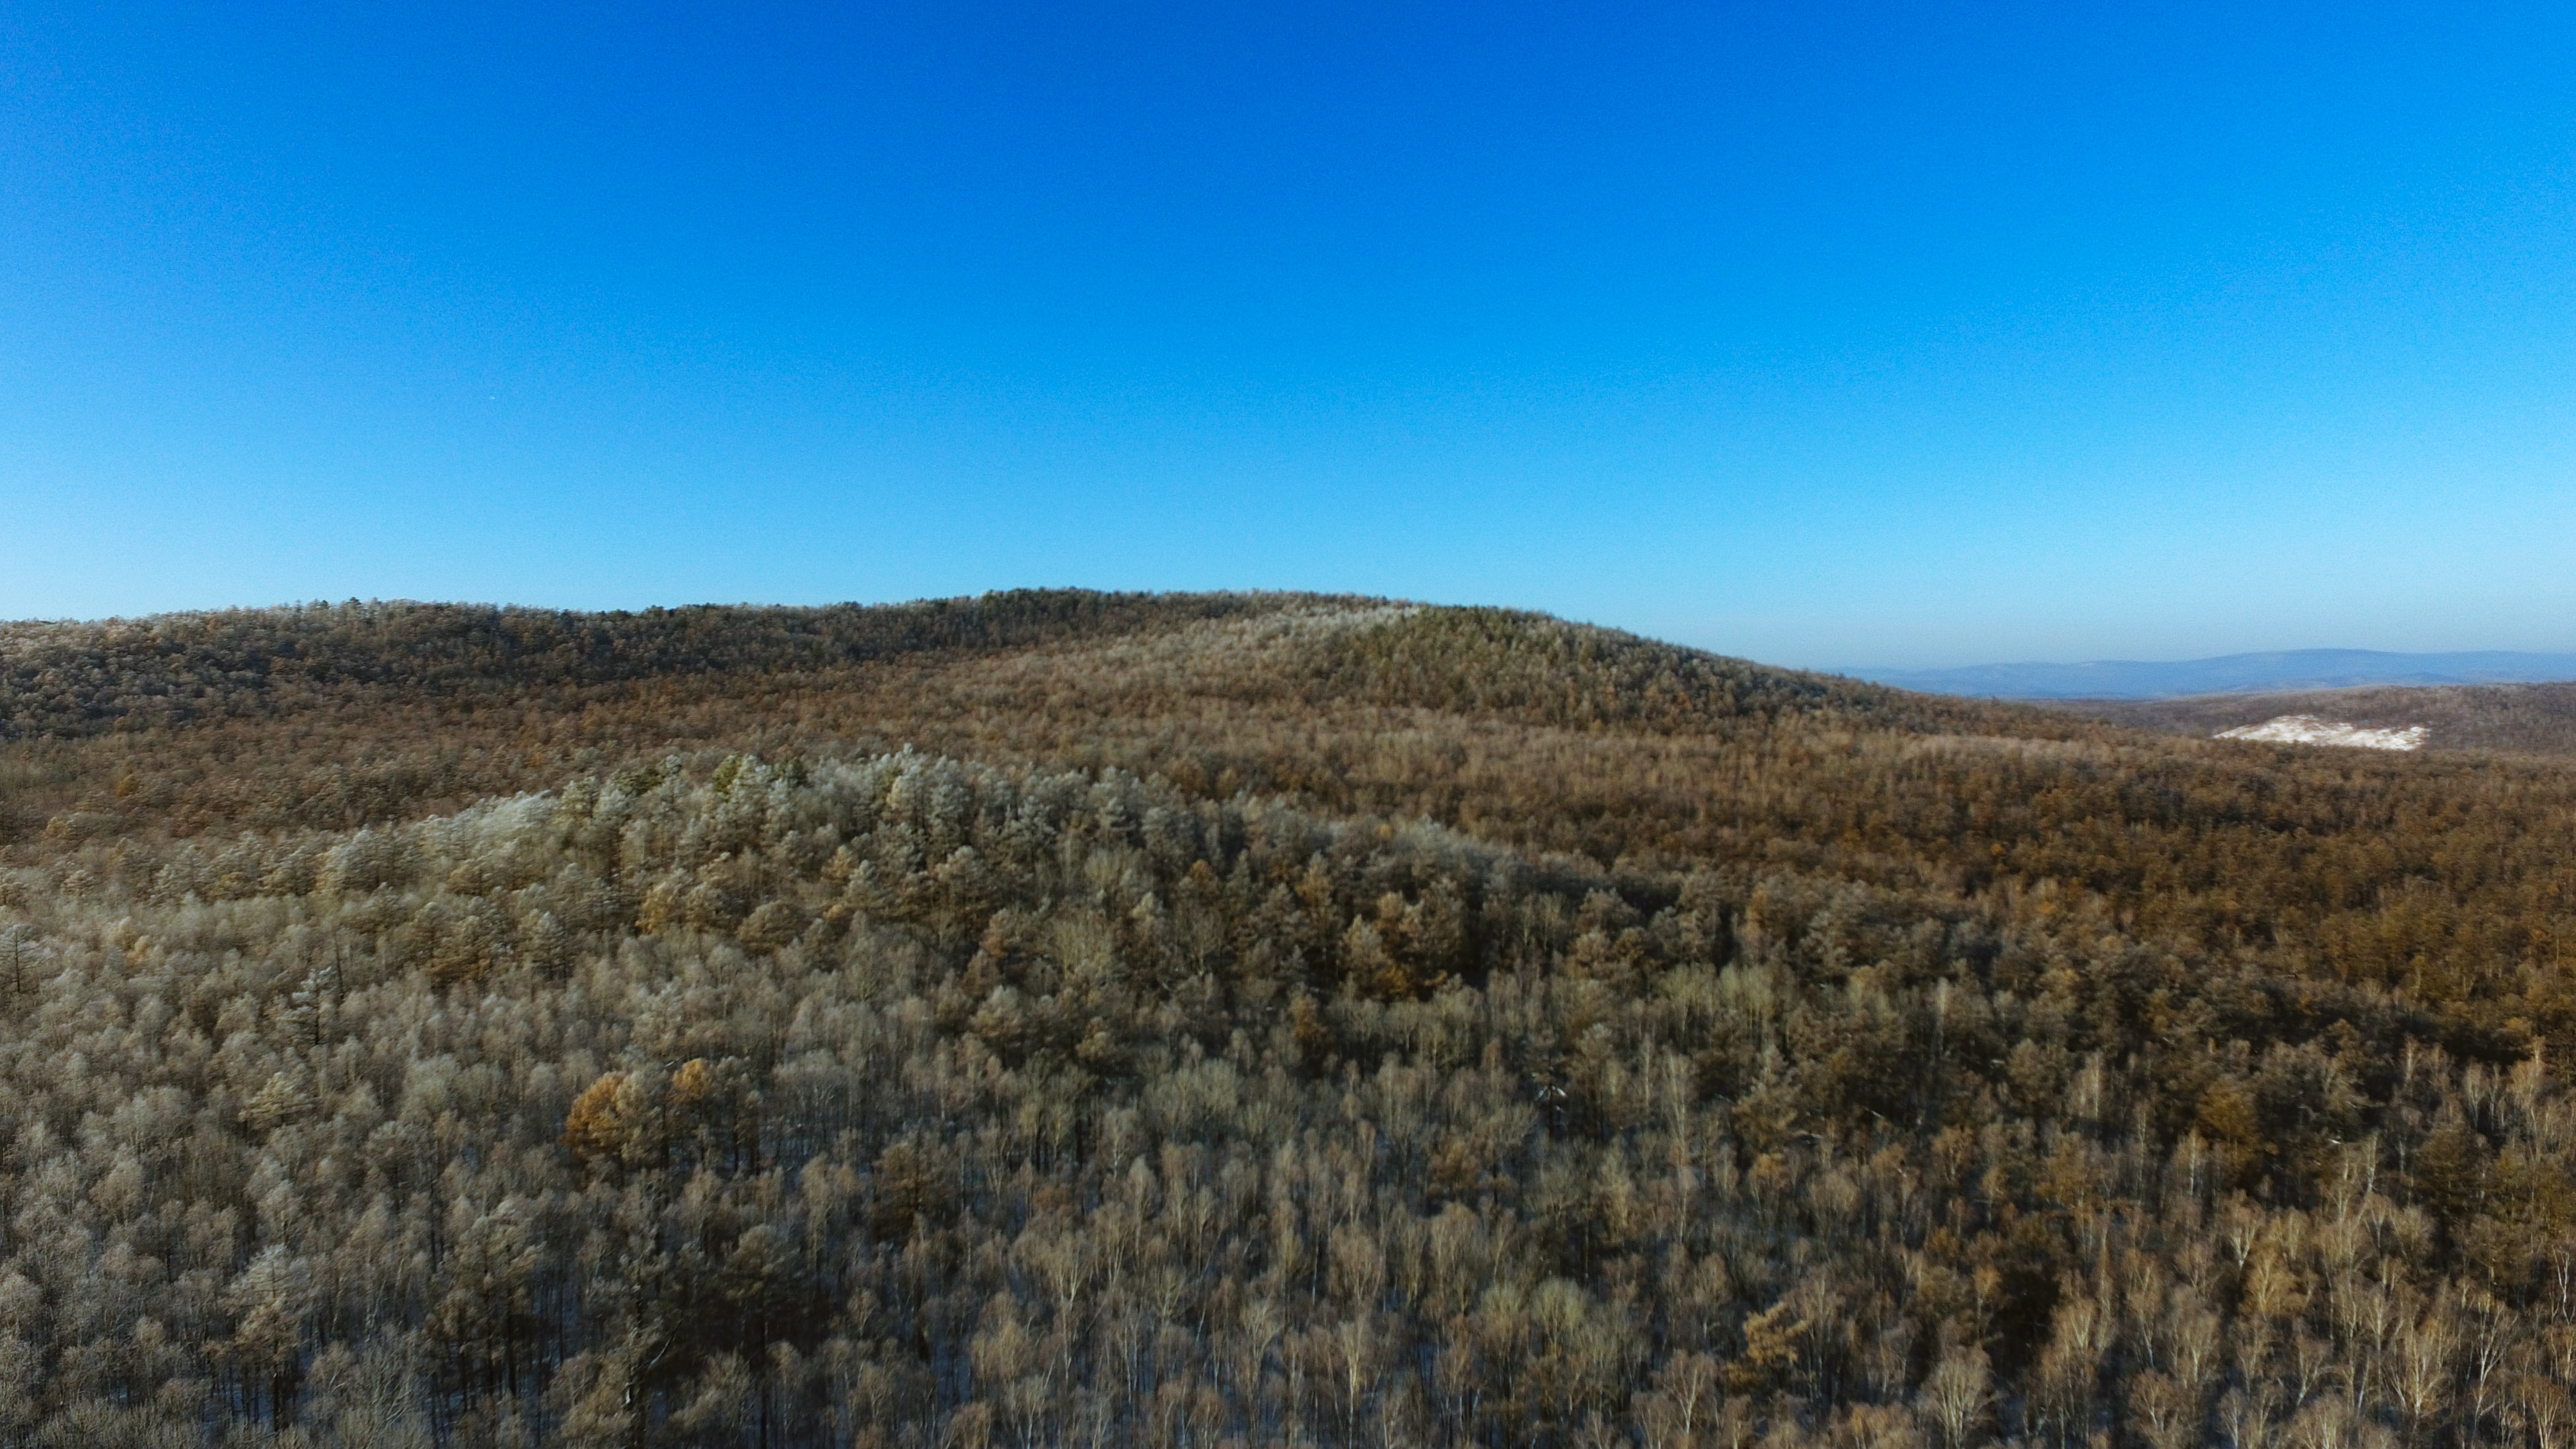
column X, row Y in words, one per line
column 2526, row 719
column 2289, row 669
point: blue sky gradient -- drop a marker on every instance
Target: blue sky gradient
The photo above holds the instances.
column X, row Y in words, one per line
column 1824, row 335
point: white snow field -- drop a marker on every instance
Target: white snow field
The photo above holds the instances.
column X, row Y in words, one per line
column 2307, row 729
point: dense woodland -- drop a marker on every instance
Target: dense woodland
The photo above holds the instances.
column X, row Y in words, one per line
column 1244, row 1020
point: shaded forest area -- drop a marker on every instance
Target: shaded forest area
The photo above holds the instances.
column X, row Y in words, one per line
column 1057, row 1018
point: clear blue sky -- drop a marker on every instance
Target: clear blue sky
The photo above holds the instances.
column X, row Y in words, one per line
column 1824, row 334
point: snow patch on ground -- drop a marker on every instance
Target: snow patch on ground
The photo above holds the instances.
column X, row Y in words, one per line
column 2307, row 729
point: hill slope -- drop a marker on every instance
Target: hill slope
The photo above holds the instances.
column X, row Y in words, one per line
column 1057, row 1018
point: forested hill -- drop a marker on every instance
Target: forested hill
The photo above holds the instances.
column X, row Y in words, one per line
column 368, row 712
column 74, row 678
column 79, row 677
column 1062, row 1018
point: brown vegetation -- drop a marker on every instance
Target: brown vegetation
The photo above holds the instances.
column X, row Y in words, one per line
column 1254, row 1020
column 2527, row 719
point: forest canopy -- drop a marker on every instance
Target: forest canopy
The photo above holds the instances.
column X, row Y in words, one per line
column 1059, row 1018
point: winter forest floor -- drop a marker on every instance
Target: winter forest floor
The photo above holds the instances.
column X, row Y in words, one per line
column 1063, row 1018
